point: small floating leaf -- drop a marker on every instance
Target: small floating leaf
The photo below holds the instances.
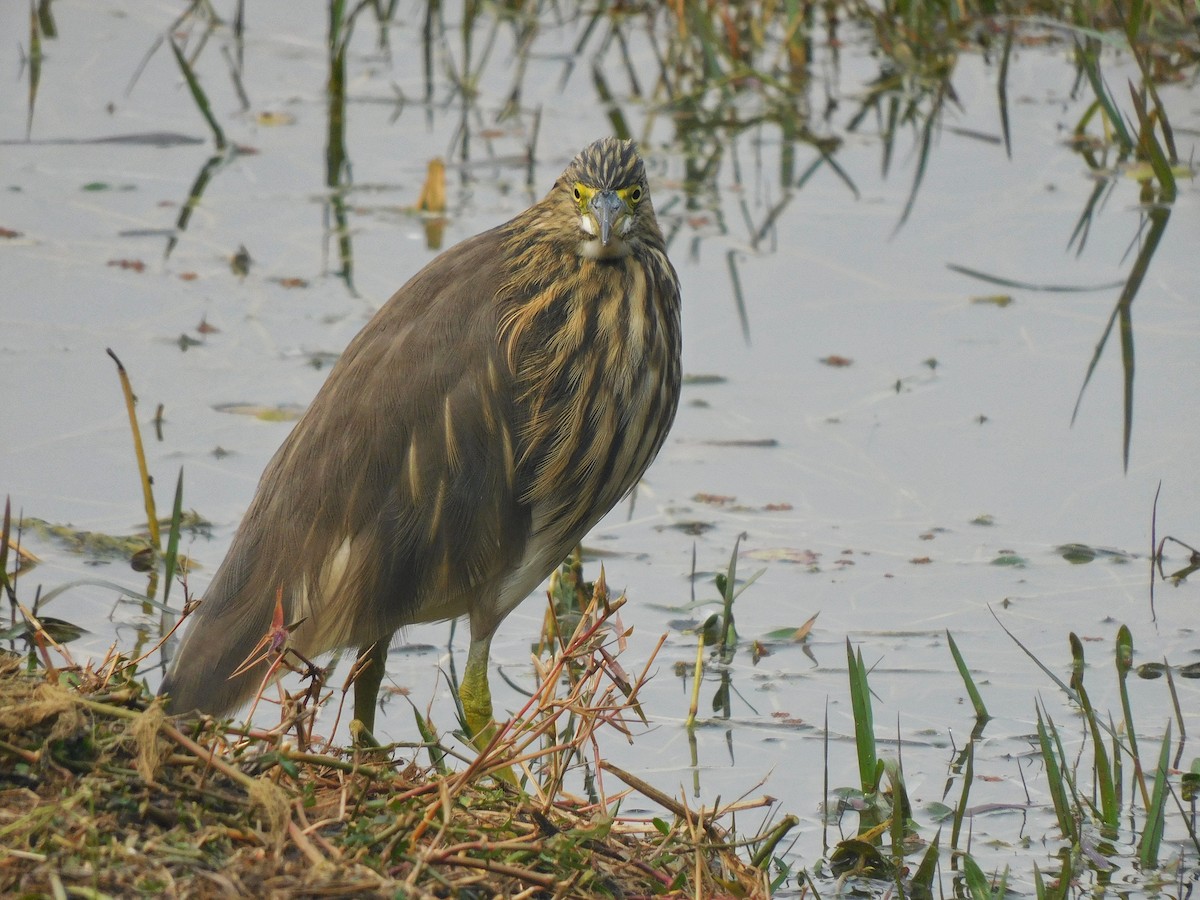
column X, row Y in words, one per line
column 780, row 634
column 135, row 264
column 1151, row 670
column 61, row 631
column 714, row 499
column 939, row 812
column 1082, row 553
column 272, row 119
column 287, row 412
column 692, row 528
column 835, row 361
column 1077, row 554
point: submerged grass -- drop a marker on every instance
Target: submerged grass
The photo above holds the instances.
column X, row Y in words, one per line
column 1093, row 826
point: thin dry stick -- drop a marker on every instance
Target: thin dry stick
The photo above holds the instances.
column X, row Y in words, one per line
column 139, row 451
column 666, row 802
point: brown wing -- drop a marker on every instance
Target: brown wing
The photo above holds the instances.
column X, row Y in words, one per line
column 393, row 498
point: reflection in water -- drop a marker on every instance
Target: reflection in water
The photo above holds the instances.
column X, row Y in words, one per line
column 337, row 162
column 432, row 203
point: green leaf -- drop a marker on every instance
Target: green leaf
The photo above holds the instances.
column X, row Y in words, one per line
column 864, row 726
column 1152, row 835
column 968, row 682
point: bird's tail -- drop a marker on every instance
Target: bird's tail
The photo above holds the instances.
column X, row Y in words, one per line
column 218, row 644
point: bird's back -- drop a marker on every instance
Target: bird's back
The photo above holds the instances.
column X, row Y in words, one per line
column 485, row 419
column 376, row 502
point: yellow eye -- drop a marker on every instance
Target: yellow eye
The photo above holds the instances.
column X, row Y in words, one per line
column 635, row 195
column 578, row 195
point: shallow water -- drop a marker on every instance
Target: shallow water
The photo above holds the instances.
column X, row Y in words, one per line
column 896, row 484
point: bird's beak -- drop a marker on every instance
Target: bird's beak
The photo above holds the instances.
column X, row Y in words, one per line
column 608, row 209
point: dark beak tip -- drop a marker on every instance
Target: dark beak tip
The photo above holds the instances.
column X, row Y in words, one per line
column 606, row 205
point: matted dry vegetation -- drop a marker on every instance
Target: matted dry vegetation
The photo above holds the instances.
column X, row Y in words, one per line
column 101, row 794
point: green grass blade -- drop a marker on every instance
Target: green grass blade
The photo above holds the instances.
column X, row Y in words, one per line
column 1152, row 835
column 1150, row 147
column 901, row 806
column 172, row 555
column 195, row 195
column 864, row 725
column 728, row 587
column 1124, row 660
column 978, row 887
column 739, row 297
column 1088, row 53
column 1125, row 664
column 5, row 531
column 1055, row 780
column 825, row 779
column 1110, row 806
column 1001, row 889
column 1118, row 767
column 198, row 95
column 762, row 854
column 1158, row 215
column 968, row 682
column 437, row 757
column 1127, row 369
column 926, row 142
column 1030, row 285
column 960, row 811
column 35, row 65
column 1110, row 802
column 1002, row 88
column 922, row 880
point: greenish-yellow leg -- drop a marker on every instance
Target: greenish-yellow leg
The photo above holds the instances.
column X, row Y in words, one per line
column 372, row 666
column 476, row 699
column 475, row 694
